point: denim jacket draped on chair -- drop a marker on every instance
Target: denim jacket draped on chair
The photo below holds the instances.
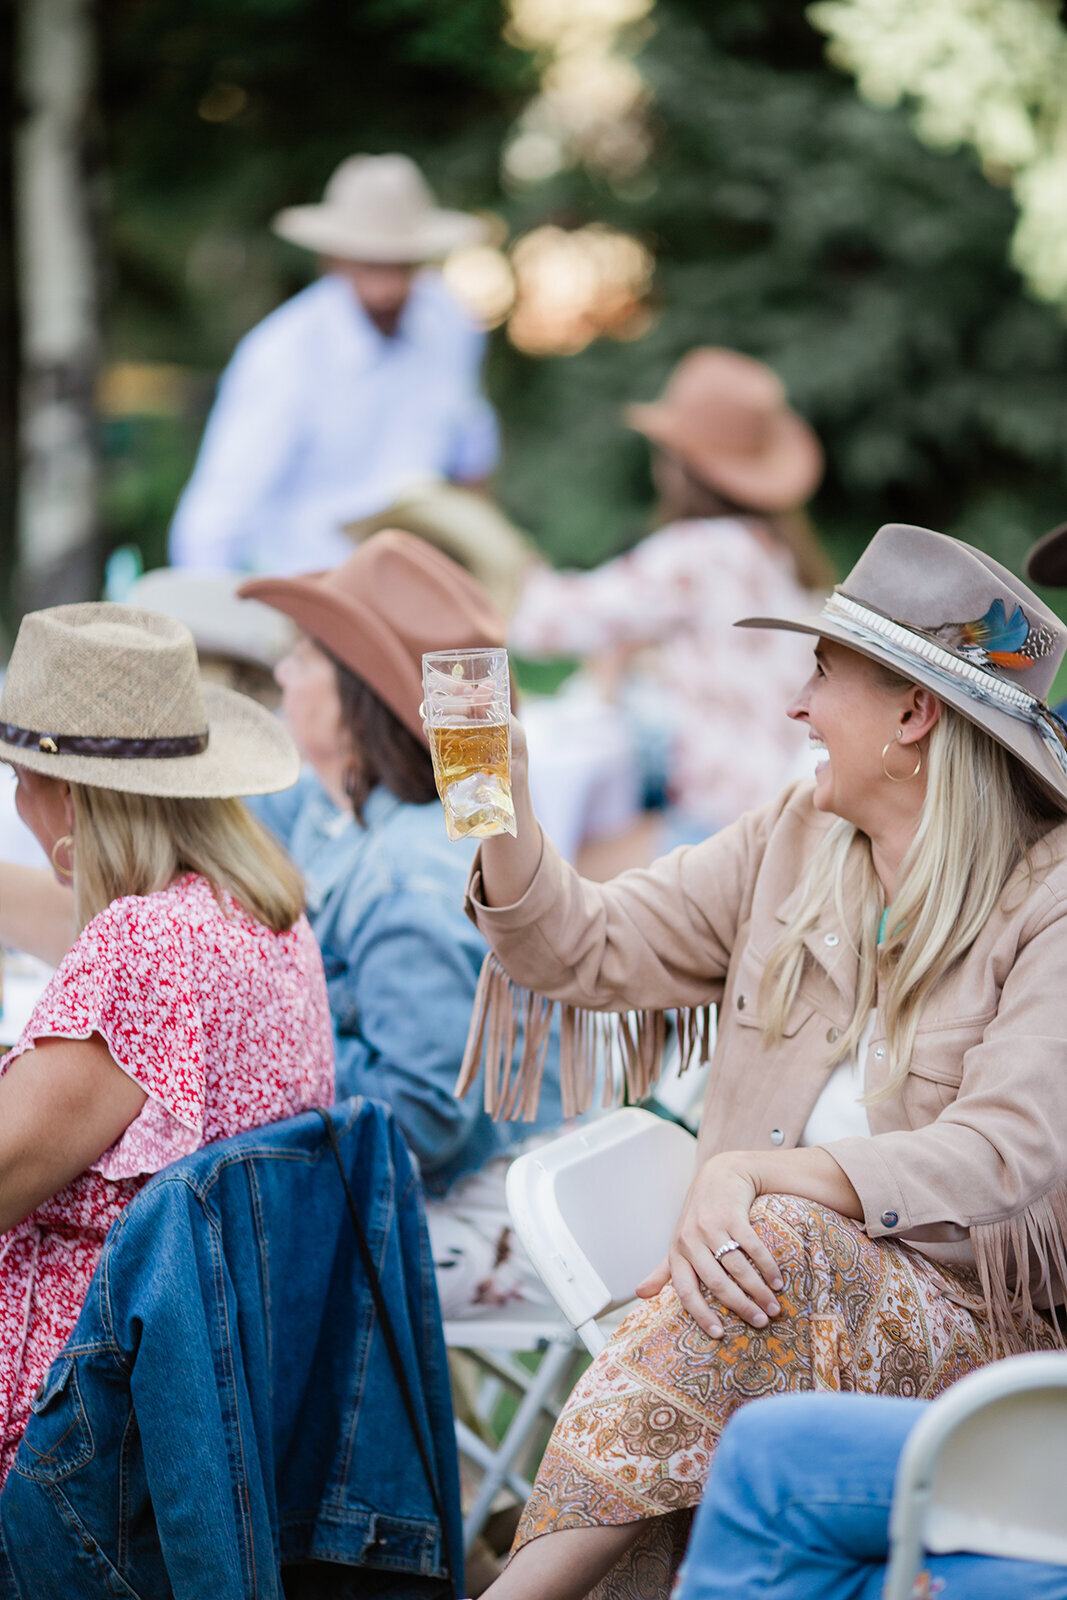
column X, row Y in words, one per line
column 226, row 1403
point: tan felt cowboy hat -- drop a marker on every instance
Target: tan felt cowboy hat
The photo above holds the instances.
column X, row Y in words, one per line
column 110, row 696
column 221, row 623
column 378, row 612
column 378, row 208
column 726, row 417
column 466, row 526
column 948, row 616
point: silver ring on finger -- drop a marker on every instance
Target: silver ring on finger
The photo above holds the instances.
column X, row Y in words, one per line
column 725, row 1249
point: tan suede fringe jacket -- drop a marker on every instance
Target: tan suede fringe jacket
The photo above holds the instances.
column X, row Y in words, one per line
column 966, row 1163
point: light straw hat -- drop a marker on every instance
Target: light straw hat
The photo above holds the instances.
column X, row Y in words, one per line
column 220, row 622
column 466, row 526
column 949, row 617
column 110, row 696
column 378, row 208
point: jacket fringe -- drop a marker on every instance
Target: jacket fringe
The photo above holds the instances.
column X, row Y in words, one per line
column 1016, row 1256
column 590, row 1043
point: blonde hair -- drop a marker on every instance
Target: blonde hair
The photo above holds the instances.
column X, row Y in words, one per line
column 981, row 815
column 137, row 844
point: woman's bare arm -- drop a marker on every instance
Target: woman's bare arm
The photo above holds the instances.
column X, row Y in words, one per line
column 62, row 1104
column 36, row 912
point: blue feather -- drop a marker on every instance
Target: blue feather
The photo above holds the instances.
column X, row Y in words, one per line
column 996, row 632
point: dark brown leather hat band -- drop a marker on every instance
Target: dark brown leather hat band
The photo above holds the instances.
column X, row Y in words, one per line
column 75, row 744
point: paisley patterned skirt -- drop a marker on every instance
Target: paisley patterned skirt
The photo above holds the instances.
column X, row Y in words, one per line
column 636, row 1438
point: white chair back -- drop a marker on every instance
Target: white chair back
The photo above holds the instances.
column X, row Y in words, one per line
column 984, row 1471
column 595, row 1210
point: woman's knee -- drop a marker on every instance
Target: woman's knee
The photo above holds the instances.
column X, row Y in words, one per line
column 787, row 1224
column 764, row 1444
column 776, row 1450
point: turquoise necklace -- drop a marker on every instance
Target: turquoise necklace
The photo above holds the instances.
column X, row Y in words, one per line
column 881, row 925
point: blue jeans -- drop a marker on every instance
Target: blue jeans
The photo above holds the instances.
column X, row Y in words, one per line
column 797, row 1508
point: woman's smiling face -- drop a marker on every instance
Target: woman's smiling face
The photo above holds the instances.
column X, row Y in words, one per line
column 852, row 713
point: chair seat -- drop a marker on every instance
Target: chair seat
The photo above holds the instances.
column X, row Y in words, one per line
column 509, row 1328
column 595, row 1209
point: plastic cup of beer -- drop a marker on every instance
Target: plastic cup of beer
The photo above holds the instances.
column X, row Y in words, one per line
column 467, row 707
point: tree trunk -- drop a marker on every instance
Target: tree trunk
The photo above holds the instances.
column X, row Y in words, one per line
column 9, row 320
column 59, row 554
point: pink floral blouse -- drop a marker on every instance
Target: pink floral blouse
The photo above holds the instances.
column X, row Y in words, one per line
column 721, row 691
column 224, row 1024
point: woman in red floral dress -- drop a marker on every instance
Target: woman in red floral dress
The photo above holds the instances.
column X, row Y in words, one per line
column 189, row 1001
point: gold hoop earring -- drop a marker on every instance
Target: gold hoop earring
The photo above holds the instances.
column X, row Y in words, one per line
column 64, row 842
column 918, row 765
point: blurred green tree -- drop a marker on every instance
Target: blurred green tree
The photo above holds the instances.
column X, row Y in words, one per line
column 788, row 218
column 219, row 112
column 794, row 221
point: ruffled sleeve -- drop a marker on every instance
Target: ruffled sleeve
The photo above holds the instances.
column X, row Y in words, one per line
column 125, row 978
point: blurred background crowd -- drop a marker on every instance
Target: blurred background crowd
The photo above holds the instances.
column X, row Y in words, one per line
column 864, row 194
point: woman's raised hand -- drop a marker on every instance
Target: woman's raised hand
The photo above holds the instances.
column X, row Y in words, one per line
column 716, row 1245
column 510, row 864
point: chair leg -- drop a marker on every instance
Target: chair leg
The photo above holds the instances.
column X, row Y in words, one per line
column 484, row 1456
column 553, row 1364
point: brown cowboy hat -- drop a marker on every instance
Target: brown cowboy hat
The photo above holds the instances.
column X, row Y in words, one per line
column 726, row 417
column 1046, row 562
column 378, row 612
column 948, row 616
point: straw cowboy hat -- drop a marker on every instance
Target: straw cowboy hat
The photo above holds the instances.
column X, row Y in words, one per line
column 466, row 526
column 110, row 696
column 726, row 417
column 378, row 208
column 394, row 598
column 951, row 618
column 221, row 623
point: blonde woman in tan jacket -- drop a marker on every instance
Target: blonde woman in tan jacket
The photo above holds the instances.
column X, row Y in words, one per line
column 881, row 1200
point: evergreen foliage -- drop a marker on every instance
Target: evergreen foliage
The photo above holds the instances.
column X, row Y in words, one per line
column 794, row 221
column 788, row 218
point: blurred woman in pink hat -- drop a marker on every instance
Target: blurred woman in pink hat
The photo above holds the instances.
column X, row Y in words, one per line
column 734, row 467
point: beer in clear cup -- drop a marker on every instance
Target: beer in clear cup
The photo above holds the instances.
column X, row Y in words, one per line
column 467, row 707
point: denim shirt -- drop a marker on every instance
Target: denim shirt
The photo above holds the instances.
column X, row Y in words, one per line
column 385, row 901
column 225, row 1404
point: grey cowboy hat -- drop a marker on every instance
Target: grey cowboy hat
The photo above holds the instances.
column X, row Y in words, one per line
column 378, row 208
column 948, row 616
column 110, row 696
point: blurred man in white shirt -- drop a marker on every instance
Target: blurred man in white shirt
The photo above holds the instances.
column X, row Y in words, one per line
column 366, row 381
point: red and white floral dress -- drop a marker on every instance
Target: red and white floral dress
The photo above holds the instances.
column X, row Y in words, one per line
column 224, row 1024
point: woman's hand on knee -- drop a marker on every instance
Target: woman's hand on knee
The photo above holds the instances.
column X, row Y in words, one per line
column 716, row 1246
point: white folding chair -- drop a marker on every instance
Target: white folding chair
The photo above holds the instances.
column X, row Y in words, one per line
column 492, row 1345
column 984, row 1471
column 596, row 1207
